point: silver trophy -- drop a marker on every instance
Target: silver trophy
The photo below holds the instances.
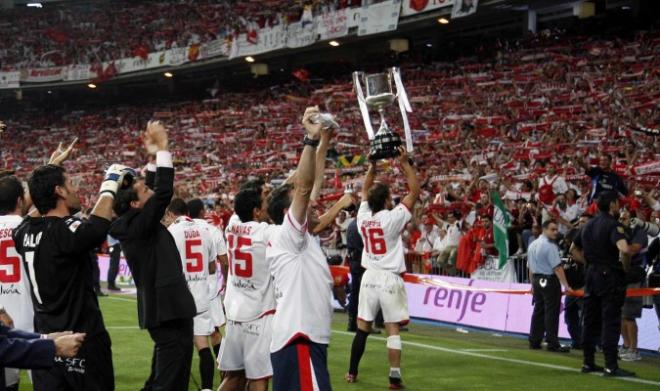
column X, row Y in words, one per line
column 379, row 95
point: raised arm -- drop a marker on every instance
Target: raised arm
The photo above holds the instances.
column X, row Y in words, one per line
column 304, row 181
column 329, row 217
column 321, row 153
column 411, row 177
column 368, row 181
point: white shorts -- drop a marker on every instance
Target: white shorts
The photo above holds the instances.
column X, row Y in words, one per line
column 246, row 346
column 217, row 312
column 203, row 324
column 385, row 291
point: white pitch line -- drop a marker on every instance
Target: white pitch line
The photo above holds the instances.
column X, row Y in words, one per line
column 504, row 359
column 484, row 350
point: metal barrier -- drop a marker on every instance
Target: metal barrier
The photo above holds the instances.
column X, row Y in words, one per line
column 425, row 263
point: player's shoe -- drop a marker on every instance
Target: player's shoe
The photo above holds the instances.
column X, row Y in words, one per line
column 350, row 378
column 396, row 383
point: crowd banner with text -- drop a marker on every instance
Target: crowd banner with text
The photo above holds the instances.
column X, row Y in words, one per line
column 42, row 75
column 489, row 271
column 413, row 7
column 379, row 18
column 332, row 24
column 268, row 39
column 300, row 34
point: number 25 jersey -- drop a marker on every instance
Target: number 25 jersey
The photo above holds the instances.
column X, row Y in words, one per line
column 250, row 292
column 381, row 234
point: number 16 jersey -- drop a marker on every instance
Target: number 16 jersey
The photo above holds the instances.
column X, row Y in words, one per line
column 250, row 293
column 381, row 234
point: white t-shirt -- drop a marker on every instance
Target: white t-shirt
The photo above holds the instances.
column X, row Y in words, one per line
column 303, row 285
column 250, row 293
column 453, row 236
column 197, row 249
column 381, row 235
column 15, row 294
column 426, row 240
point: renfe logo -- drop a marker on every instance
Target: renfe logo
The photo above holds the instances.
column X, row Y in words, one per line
column 455, row 298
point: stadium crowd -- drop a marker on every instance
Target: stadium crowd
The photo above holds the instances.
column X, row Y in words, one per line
column 96, row 32
column 527, row 122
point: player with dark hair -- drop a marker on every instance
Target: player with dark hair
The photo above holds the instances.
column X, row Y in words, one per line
column 15, row 302
column 382, row 287
column 196, row 212
column 198, row 253
column 55, row 250
column 302, row 279
column 165, row 305
column 249, row 300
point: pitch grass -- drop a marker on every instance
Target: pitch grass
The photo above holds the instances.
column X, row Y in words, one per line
column 434, row 358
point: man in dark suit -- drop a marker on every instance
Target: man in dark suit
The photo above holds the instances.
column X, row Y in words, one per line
column 21, row 349
column 165, row 305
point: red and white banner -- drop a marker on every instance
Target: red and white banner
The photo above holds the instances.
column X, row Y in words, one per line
column 647, row 168
column 77, row 72
column 412, row 7
column 332, row 24
column 379, row 18
column 42, row 75
column 10, row 80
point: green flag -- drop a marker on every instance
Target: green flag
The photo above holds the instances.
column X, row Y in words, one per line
column 500, row 225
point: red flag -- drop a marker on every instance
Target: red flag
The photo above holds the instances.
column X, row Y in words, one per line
column 301, row 74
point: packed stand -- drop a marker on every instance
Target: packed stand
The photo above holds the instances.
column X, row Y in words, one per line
column 527, row 123
column 91, row 33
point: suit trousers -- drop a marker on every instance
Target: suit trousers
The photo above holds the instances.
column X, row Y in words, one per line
column 172, row 356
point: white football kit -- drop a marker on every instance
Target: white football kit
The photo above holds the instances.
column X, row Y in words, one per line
column 382, row 286
column 197, row 249
column 14, row 284
column 215, row 306
column 303, row 286
column 249, row 301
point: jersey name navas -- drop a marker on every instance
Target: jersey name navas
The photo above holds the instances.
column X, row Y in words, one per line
column 249, row 286
column 197, row 249
column 381, row 235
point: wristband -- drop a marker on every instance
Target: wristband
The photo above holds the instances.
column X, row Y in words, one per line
column 311, row 142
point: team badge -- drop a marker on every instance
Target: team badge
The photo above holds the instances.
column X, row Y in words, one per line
column 620, row 229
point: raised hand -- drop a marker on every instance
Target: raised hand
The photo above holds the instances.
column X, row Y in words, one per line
column 155, row 137
column 313, row 129
column 403, row 155
column 114, row 178
column 60, row 155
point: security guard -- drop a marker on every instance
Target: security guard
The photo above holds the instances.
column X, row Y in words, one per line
column 547, row 276
column 602, row 238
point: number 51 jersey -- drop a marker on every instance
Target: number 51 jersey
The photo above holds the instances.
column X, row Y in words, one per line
column 381, row 234
column 250, row 292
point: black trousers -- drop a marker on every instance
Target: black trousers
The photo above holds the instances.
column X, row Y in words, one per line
column 545, row 318
column 113, row 269
column 573, row 318
column 604, row 293
column 90, row 370
column 172, row 356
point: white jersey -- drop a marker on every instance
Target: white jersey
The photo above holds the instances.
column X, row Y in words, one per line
column 197, row 249
column 221, row 249
column 381, row 234
column 303, row 285
column 250, row 292
column 14, row 283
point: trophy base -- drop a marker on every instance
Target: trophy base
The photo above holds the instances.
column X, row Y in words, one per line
column 385, row 146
